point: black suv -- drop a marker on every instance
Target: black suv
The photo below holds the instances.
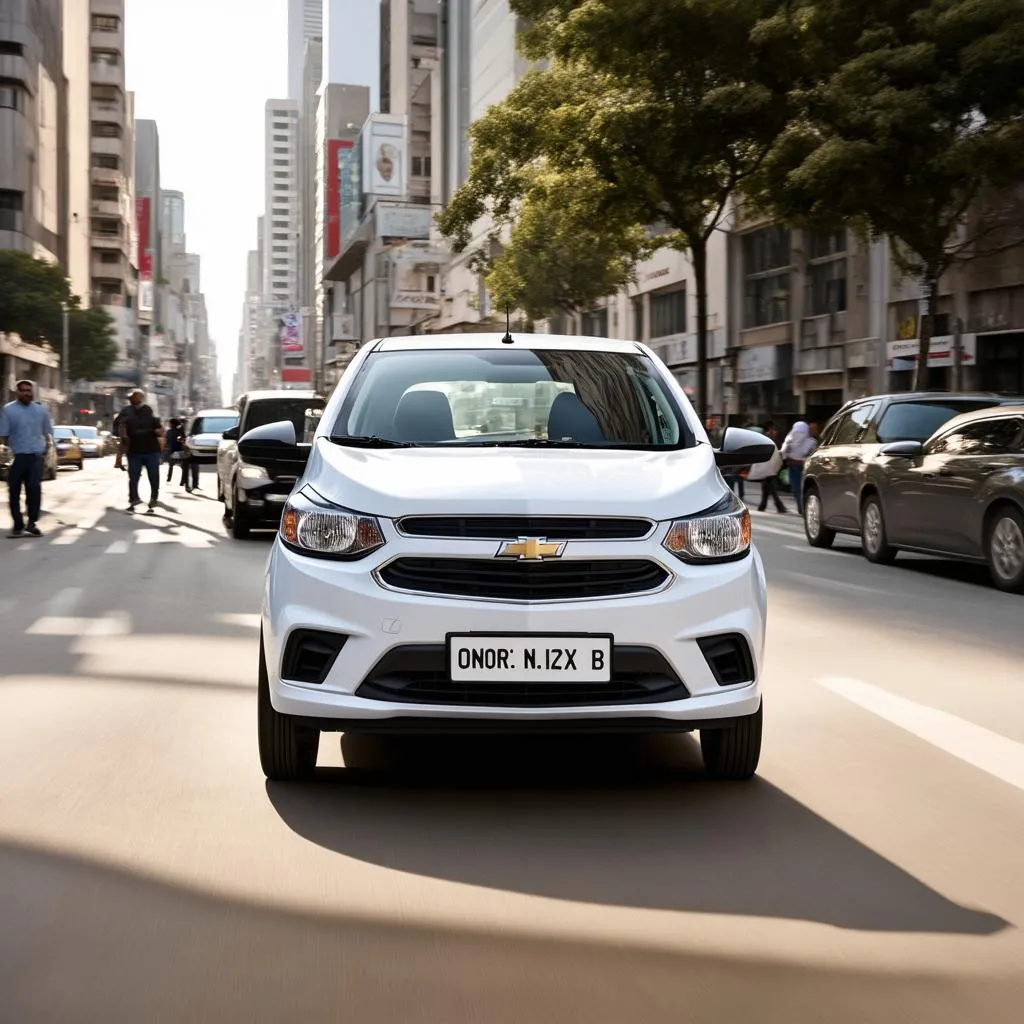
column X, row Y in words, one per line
column 254, row 491
column 837, row 476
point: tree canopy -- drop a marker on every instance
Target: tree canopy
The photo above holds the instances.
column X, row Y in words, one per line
column 32, row 295
column 916, row 114
column 647, row 115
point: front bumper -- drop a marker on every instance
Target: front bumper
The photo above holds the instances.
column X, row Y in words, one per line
column 394, row 632
column 71, row 457
column 202, row 456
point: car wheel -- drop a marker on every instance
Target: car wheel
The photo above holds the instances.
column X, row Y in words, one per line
column 81, row 465
column 873, row 537
column 240, row 529
column 817, row 533
column 1005, row 549
column 288, row 748
column 733, row 754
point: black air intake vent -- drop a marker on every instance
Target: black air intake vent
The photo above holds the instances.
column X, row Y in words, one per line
column 729, row 658
column 309, row 655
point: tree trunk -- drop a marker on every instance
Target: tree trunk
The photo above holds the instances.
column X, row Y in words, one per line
column 699, row 258
column 922, row 376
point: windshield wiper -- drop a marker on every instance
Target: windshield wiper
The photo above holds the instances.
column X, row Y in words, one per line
column 528, row 442
column 355, row 441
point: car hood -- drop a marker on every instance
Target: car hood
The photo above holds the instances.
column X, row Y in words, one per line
column 516, row 481
column 205, row 440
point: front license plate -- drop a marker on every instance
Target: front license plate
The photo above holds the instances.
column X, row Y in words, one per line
column 492, row 658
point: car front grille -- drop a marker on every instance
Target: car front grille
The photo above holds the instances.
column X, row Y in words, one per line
column 418, row 674
column 491, row 579
column 510, row 527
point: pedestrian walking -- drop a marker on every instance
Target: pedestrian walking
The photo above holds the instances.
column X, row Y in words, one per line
column 175, row 450
column 767, row 474
column 140, row 435
column 25, row 428
column 796, row 449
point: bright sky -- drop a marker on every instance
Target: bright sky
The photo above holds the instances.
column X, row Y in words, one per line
column 203, row 70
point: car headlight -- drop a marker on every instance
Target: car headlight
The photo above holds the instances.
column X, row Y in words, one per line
column 247, row 471
column 328, row 531
column 719, row 534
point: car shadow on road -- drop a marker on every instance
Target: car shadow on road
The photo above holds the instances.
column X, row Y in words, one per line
column 623, row 821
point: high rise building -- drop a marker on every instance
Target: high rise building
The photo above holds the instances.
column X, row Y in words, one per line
column 351, row 35
column 173, row 224
column 76, row 32
column 149, row 224
column 312, row 73
column 281, row 217
column 305, row 22
column 33, row 191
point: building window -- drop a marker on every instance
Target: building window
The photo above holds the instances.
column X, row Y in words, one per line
column 282, row 163
column 280, row 262
column 110, row 257
column 668, row 314
column 8, row 48
column 825, row 243
column 280, row 126
column 105, row 193
column 280, row 248
column 280, row 188
column 12, row 97
column 421, row 166
column 282, row 174
column 279, row 113
column 12, row 207
column 105, row 23
column 110, row 161
column 107, row 228
column 106, row 130
column 766, row 263
column 280, row 237
column 594, row 324
column 281, row 150
column 280, row 138
column 826, row 287
column 109, row 57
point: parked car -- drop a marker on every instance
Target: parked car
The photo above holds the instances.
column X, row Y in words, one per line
column 576, row 564
column 254, row 490
column 91, row 443
column 69, row 447
column 835, row 479
column 49, row 465
column 959, row 494
column 110, row 442
column 205, row 431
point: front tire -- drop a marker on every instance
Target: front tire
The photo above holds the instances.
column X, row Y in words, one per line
column 240, row 528
column 732, row 755
column 1004, row 548
column 288, row 749
column 873, row 537
column 817, row 533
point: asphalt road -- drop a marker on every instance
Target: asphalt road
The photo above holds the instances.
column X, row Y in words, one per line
column 149, row 874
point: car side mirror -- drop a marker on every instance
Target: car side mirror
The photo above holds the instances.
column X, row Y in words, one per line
column 744, row 448
column 269, row 440
column 231, row 434
column 902, row 449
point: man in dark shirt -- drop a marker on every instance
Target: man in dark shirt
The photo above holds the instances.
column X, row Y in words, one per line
column 140, row 437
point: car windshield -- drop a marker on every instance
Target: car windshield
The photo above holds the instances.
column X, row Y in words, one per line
column 63, row 432
column 513, row 397
column 213, row 424
column 272, row 410
column 917, row 421
column 90, row 433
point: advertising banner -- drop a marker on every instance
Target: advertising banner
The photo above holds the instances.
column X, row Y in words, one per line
column 385, row 156
column 332, row 233
column 412, row 222
column 415, row 282
column 291, row 334
column 350, row 188
column 145, row 254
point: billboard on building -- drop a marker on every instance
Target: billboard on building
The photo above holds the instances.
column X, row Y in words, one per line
column 412, row 222
column 143, row 218
column 291, row 334
column 385, row 156
column 350, row 189
column 332, row 232
column 415, row 281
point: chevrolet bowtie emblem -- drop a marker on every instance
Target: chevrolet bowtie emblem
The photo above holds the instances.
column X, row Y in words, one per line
column 531, row 549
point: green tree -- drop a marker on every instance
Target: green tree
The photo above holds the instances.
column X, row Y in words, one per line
column 92, row 343
column 31, row 294
column 661, row 111
column 919, row 118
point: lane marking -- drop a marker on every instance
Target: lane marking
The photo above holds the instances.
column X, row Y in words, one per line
column 777, row 531
column 822, row 582
column 64, row 601
column 247, row 620
column 806, row 549
column 119, row 547
column 989, row 751
column 69, row 536
column 111, row 624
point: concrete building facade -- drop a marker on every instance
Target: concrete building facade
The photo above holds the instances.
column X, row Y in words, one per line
column 76, row 30
column 305, row 22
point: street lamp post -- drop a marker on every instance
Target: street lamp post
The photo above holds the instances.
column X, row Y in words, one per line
column 65, row 377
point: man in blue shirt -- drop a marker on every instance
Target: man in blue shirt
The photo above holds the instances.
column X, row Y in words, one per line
column 25, row 427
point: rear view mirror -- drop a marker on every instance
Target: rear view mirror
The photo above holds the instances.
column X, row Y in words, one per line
column 744, row 448
column 902, row 449
column 231, row 434
column 269, row 440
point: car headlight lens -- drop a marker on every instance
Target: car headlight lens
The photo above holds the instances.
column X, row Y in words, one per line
column 327, row 531
column 247, row 471
column 720, row 534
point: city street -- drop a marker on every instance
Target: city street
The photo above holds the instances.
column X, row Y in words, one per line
column 149, row 873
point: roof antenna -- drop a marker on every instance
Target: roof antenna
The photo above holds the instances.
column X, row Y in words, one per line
column 508, row 339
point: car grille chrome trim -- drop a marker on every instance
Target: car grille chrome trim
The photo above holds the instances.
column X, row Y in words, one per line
column 505, row 527
column 543, row 574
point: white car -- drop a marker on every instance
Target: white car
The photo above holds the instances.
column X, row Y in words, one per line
column 495, row 535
